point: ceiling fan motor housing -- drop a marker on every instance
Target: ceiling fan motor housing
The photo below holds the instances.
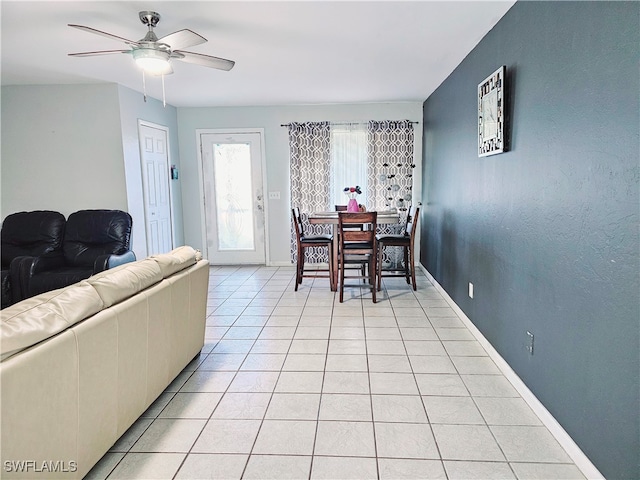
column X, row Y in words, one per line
column 149, row 18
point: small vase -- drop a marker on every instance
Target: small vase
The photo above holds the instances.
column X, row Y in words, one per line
column 352, row 206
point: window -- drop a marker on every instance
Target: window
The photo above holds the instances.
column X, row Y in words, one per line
column 348, row 161
column 377, row 156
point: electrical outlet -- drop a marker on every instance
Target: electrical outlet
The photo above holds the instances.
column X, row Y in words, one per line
column 470, row 290
column 274, row 195
column 530, row 343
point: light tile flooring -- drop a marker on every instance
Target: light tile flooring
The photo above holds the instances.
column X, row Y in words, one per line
column 297, row 385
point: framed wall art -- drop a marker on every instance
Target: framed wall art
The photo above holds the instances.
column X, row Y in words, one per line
column 491, row 138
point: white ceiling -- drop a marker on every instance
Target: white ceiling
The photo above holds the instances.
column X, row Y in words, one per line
column 293, row 52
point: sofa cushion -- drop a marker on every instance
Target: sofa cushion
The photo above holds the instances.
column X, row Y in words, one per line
column 37, row 318
column 31, row 233
column 176, row 260
column 119, row 283
column 91, row 233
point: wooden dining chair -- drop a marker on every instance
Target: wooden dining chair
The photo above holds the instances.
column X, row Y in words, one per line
column 305, row 241
column 357, row 247
column 406, row 241
column 343, row 208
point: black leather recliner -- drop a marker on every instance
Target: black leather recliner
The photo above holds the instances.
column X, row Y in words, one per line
column 94, row 240
column 31, row 234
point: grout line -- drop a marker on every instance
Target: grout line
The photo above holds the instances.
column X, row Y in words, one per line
column 373, row 423
column 272, row 393
column 324, row 372
column 415, row 380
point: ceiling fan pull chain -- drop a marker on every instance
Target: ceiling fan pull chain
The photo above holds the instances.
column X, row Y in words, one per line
column 164, row 101
column 144, row 86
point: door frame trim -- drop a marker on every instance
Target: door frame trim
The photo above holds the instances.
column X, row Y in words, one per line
column 203, row 225
column 145, row 123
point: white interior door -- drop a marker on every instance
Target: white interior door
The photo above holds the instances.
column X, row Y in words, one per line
column 233, row 197
column 154, row 155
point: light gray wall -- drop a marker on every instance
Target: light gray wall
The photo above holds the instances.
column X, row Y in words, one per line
column 61, row 149
column 74, row 147
column 270, row 118
column 132, row 109
column 548, row 232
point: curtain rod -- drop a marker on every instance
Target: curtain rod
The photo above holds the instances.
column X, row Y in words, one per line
column 354, row 123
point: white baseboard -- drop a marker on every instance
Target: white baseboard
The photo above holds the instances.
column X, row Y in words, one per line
column 579, row 458
column 293, row 265
column 281, row 264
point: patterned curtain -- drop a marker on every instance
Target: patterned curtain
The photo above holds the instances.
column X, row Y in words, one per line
column 390, row 174
column 310, row 152
column 390, row 165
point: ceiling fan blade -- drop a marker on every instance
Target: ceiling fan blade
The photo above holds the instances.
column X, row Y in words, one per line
column 101, row 52
column 104, row 34
column 182, row 39
column 204, row 60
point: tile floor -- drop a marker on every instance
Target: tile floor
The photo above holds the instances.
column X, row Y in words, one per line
column 297, row 385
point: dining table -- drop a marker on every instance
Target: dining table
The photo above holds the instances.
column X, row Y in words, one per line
column 386, row 217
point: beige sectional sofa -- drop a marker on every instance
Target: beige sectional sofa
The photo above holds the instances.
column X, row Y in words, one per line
column 79, row 365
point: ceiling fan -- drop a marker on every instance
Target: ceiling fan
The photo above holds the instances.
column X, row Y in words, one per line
column 154, row 54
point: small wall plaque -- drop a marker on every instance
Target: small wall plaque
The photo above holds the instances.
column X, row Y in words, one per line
column 491, row 114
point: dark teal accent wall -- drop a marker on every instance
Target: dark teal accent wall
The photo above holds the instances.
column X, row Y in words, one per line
column 548, row 232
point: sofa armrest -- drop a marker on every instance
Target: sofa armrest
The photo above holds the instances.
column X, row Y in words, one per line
column 105, row 262
column 23, row 268
column 49, row 261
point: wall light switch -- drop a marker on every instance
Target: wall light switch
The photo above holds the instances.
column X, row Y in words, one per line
column 274, row 195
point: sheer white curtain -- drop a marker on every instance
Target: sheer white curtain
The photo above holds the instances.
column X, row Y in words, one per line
column 348, row 161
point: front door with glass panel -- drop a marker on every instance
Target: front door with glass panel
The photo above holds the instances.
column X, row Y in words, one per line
column 233, row 197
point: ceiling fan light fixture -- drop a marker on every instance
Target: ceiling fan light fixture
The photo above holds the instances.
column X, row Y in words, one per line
column 152, row 61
